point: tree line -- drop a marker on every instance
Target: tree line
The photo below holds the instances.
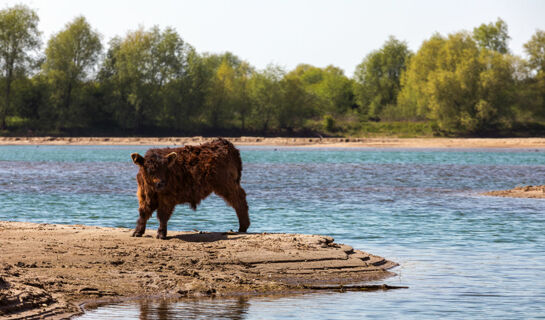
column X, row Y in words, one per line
column 152, row 82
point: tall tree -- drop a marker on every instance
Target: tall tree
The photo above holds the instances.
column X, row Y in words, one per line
column 19, row 37
column 413, row 99
column 265, row 93
column 535, row 86
column 295, row 103
column 463, row 88
column 331, row 89
column 139, row 68
column 242, row 103
column 338, row 90
column 378, row 76
column 535, row 48
column 219, row 96
column 70, row 55
column 492, row 36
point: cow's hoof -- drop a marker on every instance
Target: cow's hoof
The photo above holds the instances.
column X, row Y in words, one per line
column 242, row 230
column 161, row 236
column 136, row 234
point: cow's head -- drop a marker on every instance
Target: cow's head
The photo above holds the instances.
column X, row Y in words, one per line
column 155, row 168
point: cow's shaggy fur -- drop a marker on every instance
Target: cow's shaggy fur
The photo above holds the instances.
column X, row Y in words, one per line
column 171, row 176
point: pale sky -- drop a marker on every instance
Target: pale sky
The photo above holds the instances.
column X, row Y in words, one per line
column 287, row 33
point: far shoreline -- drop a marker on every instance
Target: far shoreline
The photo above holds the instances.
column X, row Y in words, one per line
column 387, row 142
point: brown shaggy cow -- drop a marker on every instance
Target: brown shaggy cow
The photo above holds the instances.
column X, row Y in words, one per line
column 171, row 176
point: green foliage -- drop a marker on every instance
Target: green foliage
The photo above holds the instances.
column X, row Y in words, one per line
column 73, row 52
column 241, row 100
column 464, row 88
column 535, row 48
column 378, row 76
column 452, row 87
column 69, row 57
column 139, row 69
column 19, row 37
column 413, row 100
column 151, row 82
column 329, row 123
column 265, row 92
column 331, row 89
column 296, row 104
column 30, row 98
column 492, row 36
column 531, row 88
column 220, row 97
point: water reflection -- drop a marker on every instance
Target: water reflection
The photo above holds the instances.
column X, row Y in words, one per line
column 168, row 309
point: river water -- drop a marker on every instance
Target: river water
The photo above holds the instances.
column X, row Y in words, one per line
column 462, row 255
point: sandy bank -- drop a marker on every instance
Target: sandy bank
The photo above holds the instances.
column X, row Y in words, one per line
column 312, row 142
column 520, row 192
column 48, row 270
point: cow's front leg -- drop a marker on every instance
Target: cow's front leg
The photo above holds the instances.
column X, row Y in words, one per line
column 145, row 214
column 163, row 214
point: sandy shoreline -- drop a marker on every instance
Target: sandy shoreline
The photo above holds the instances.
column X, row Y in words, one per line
column 48, row 270
column 534, row 192
column 310, row 141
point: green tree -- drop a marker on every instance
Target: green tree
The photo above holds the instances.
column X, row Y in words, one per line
column 19, row 37
column 535, row 49
column 138, row 69
column 193, row 90
column 265, row 92
column 453, row 86
column 295, row 104
column 71, row 55
column 227, row 102
column 413, row 99
column 337, row 90
column 463, row 88
column 184, row 96
column 31, row 100
column 213, row 61
column 242, row 102
column 534, row 88
column 219, row 97
column 492, row 36
column 497, row 90
column 332, row 90
column 378, row 76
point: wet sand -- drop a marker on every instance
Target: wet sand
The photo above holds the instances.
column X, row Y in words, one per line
column 49, row 270
column 310, row 141
column 537, row 192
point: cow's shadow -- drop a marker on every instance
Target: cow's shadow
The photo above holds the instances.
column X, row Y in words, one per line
column 207, row 236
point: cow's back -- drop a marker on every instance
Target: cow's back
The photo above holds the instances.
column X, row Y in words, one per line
column 215, row 157
column 200, row 168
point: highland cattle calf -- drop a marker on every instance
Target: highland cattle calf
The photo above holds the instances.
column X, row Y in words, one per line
column 171, row 176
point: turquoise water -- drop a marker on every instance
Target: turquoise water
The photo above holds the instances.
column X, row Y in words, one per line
column 462, row 255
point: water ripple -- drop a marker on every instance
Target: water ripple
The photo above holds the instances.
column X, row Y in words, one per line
column 463, row 255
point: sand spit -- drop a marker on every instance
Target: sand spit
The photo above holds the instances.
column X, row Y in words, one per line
column 520, row 192
column 49, row 270
column 312, row 142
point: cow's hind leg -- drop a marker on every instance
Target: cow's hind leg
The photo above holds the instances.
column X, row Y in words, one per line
column 163, row 214
column 236, row 198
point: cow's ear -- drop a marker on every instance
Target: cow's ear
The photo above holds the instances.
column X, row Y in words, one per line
column 137, row 159
column 171, row 157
